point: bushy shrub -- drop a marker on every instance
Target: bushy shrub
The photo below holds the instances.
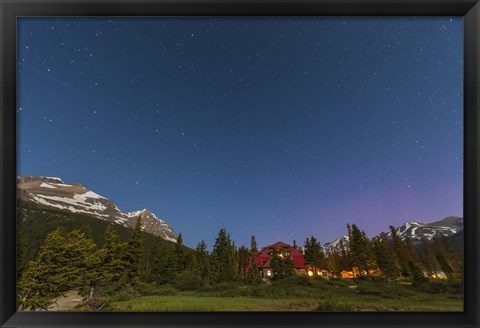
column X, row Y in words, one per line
column 385, row 289
column 153, row 289
column 125, row 295
column 435, row 286
column 187, row 280
column 294, row 280
column 334, row 305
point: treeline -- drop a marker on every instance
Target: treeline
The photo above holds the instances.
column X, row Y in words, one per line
column 395, row 257
column 73, row 261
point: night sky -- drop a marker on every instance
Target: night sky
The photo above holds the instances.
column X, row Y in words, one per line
column 278, row 127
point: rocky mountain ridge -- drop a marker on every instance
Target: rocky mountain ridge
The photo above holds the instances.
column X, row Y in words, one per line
column 414, row 230
column 50, row 192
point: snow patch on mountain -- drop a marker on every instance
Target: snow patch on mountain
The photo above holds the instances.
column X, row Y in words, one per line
column 46, row 185
column 53, row 193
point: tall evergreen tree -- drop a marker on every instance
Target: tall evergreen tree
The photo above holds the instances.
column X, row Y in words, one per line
column 61, row 264
column 243, row 262
column 223, row 257
column 180, row 254
column 314, row 256
column 385, row 258
column 282, row 265
column 401, row 254
column 203, row 263
column 253, row 245
column 360, row 250
column 133, row 254
column 441, row 256
column 43, row 278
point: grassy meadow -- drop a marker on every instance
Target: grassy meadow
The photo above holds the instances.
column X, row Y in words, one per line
column 294, row 294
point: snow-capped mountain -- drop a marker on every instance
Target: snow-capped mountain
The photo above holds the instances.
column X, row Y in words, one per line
column 336, row 244
column 416, row 230
column 49, row 192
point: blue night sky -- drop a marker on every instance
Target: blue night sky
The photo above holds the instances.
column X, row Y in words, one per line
column 280, row 128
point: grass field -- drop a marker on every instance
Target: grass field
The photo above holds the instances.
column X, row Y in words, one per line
column 290, row 296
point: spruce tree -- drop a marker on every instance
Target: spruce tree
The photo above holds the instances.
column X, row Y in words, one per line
column 43, row 279
column 179, row 251
column 384, row 258
column 253, row 245
column 203, row 262
column 223, row 257
column 314, row 256
column 282, row 265
column 133, row 254
column 61, row 264
column 360, row 250
column 401, row 254
column 441, row 256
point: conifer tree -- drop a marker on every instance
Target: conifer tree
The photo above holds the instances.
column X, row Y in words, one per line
column 253, row 245
column 203, row 262
column 384, row 258
column 22, row 247
column 133, row 254
column 428, row 257
column 441, row 257
column 243, row 262
column 314, row 256
column 223, row 257
column 400, row 252
column 61, row 264
column 345, row 258
column 253, row 273
column 155, row 260
column 282, row 265
column 180, row 254
column 43, row 279
column 360, row 250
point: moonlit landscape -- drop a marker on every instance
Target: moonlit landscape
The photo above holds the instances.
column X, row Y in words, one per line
column 278, row 128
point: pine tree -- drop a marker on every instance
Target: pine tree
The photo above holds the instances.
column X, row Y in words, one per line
column 253, row 245
column 42, row 279
column 61, row 264
column 428, row 257
column 180, row 254
column 314, row 256
column 22, row 247
column 84, row 262
column 282, row 265
column 400, row 252
column 155, row 260
column 203, row 262
column 360, row 250
column 223, row 257
column 243, row 262
column 345, row 257
column 133, row 254
column 253, row 272
column 384, row 258
column 416, row 275
column 441, row 256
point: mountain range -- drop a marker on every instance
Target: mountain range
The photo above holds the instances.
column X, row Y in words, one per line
column 53, row 193
column 446, row 227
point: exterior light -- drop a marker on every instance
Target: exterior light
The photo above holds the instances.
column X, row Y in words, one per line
column 310, row 273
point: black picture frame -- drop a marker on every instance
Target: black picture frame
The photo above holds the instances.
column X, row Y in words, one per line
column 10, row 10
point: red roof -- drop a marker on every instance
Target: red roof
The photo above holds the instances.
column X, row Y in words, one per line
column 263, row 257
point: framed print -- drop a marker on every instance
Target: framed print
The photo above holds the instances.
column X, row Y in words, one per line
column 239, row 163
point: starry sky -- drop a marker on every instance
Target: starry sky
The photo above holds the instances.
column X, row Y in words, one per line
column 276, row 127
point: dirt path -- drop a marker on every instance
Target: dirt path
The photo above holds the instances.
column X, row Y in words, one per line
column 67, row 302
